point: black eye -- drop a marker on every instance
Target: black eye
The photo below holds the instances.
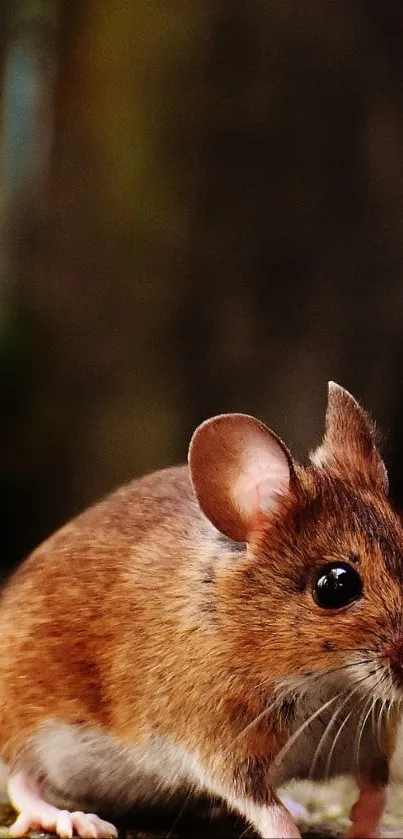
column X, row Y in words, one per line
column 337, row 584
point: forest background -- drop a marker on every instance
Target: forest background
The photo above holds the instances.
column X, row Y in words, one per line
column 201, row 210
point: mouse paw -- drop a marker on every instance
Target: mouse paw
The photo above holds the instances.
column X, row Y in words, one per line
column 367, row 811
column 361, row 832
column 37, row 814
column 64, row 824
column 90, row 826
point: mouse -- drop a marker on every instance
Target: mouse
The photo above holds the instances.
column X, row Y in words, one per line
column 216, row 628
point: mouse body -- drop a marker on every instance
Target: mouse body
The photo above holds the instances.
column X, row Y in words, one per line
column 217, row 628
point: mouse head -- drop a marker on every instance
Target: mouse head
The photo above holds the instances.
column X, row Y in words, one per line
column 318, row 590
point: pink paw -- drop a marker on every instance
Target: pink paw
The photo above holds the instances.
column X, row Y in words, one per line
column 64, row 824
column 366, row 813
column 364, row 830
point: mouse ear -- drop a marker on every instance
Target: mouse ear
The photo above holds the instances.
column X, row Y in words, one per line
column 239, row 468
column 350, row 441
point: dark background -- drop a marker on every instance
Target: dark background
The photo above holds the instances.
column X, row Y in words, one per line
column 201, row 211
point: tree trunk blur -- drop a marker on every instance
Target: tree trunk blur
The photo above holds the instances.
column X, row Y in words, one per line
column 219, row 229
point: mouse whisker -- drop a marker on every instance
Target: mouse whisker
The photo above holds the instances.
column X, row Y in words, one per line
column 259, row 717
column 307, row 678
column 378, row 724
column 366, row 711
column 324, row 737
column 331, row 722
column 291, row 740
column 333, row 746
column 301, row 683
column 288, row 691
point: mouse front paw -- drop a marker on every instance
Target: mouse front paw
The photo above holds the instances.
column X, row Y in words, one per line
column 361, row 832
column 64, row 824
column 36, row 814
column 367, row 811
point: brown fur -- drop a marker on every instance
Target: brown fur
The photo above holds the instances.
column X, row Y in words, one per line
column 140, row 617
column 94, row 598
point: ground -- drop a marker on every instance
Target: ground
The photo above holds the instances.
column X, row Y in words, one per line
column 327, row 810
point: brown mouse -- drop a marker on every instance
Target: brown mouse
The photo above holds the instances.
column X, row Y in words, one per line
column 218, row 628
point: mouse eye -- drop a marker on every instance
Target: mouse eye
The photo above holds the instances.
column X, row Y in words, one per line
column 337, row 584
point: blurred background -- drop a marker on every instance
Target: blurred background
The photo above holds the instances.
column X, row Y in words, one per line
column 201, row 210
